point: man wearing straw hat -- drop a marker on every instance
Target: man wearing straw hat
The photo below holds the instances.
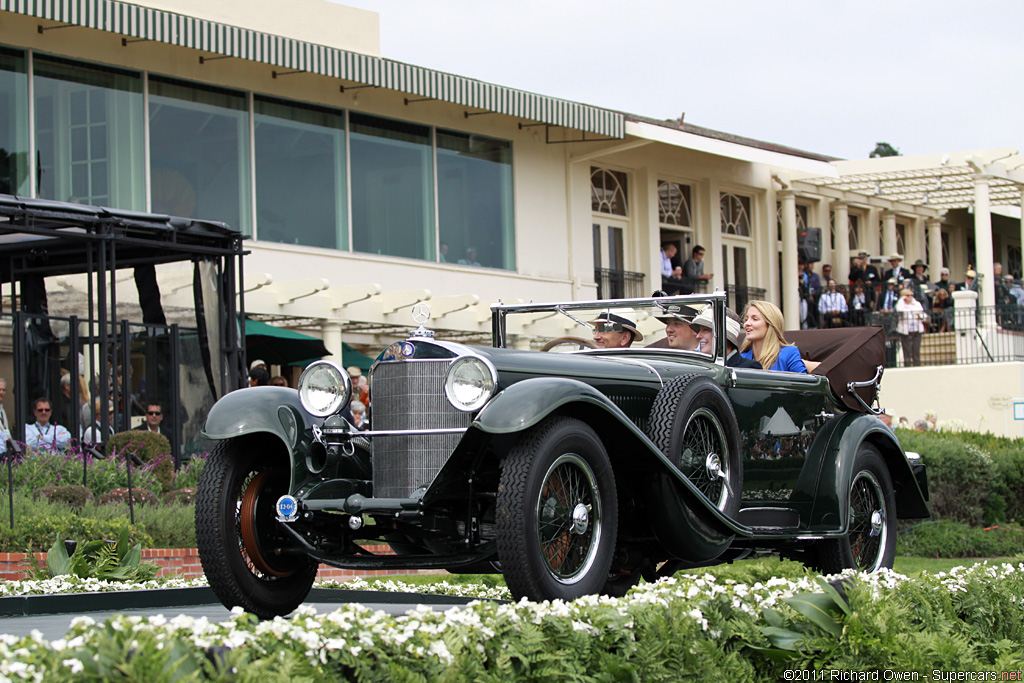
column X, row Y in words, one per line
column 616, row 329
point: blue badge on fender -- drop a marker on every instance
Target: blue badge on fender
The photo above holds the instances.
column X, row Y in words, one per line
column 287, row 509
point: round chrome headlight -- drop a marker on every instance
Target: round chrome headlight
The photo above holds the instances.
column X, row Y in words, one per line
column 324, row 388
column 470, row 383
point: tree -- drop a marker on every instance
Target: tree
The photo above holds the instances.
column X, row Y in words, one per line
column 884, row 149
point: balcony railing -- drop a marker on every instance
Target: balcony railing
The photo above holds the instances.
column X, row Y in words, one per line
column 962, row 336
column 741, row 295
column 619, row 284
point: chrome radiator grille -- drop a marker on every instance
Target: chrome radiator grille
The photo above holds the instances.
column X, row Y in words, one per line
column 409, row 395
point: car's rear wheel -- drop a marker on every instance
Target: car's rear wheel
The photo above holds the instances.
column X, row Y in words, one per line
column 694, row 425
column 237, row 534
column 557, row 512
column 870, row 543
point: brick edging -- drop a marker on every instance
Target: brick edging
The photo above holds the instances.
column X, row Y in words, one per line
column 184, row 563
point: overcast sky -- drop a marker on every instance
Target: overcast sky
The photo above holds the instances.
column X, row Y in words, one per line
column 828, row 76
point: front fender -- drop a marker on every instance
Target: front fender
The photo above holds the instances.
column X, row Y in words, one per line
column 529, row 401
column 276, row 410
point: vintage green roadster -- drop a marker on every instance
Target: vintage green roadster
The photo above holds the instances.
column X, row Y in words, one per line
column 569, row 473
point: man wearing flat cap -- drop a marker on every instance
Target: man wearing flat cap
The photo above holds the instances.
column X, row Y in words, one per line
column 616, row 329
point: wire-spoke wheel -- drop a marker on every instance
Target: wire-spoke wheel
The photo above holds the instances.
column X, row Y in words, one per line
column 693, row 423
column 870, row 542
column 240, row 545
column 557, row 512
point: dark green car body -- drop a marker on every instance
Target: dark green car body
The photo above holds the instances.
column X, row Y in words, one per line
column 427, row 477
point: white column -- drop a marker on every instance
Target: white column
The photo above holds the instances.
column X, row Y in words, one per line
column 934, row 248
column 983, row 240
column 869, row 237
column 331, row 332
column 918, row 233
column 841, row 268
column 713, row 242
column 820, row 218
column 889, row 234
column 790, row 285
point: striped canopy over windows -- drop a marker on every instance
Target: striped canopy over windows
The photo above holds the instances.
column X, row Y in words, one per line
column 175, row 29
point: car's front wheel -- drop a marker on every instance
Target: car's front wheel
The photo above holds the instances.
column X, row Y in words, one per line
column 237, row 534
column 557, row 512
column 870, row 543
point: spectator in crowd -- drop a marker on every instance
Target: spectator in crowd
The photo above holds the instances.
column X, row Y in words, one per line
column 997, row 270
column 360, row 385
column 943, row 281
column 278, row 381
column 259, row 377
column 910, row 324
column 942, row 311
column 93, row 432
column 678, row 332
column 811, row 281
column 864, row 271
column 920, row 426
column 833, row 307
column 693, row 271
column 826, row 274
column 970, row 283
column 5, row 425
column 762, row 322
column 671, row 274
column 154, row 416
column 858, row 304
column 442, row 254
column 1016, row 291
column 616, row 329
column 43, row 434
column 896, row 271
column 888, row 298
column 359, row 419
column 470, row 258
column 257, row 364
column 920, row 284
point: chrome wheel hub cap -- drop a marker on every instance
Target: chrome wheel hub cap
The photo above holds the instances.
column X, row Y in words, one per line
column 713, row 464
column 876, row 522
column 580, row 519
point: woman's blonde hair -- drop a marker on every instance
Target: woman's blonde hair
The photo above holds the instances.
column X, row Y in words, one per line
column 773, row 339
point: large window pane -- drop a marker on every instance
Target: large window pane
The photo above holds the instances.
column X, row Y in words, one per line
column 199, row 152
column 300, row 175
column 89, row 134
column 13, row 123
column 474, row 197
column 392, row 187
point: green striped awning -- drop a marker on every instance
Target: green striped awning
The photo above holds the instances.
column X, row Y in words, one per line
column 176, row 29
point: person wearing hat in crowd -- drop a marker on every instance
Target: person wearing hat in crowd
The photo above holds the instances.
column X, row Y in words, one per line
column 920, row 284
column 678, row 332
column 259, row 376
column 256, row 364
column 703, row 327
column 895, row 270
column 360, row 385
column 888, row 298
column 616, row 329
column 943, row 281
column 970, row 284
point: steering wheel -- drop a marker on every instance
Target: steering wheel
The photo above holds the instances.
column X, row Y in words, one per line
column 567, row 344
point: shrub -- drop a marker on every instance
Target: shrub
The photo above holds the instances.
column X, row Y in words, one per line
column 946, row 538
column 962, row 479
column 120, row 497
column 36, row 533
column 187, row 476
column 74, row 495
column 181, row 496
column 148, row 447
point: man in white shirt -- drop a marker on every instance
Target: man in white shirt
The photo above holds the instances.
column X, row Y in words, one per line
column 832, row 306
column 43, row 434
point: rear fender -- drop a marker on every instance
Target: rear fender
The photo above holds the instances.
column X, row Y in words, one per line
column 272, row 411
column 685, row 522
column 832, row 501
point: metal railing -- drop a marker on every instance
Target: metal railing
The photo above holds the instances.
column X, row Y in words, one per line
column 740, row 295
column 619, row 284
column 963, row 336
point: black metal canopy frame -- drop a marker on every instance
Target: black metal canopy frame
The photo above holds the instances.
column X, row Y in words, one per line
column 41, row 238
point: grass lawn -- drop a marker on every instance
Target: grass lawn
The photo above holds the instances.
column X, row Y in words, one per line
column 903, row 565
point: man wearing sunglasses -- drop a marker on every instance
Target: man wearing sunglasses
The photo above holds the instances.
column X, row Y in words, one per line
column 42, row 434
column 615, row 330
column 154, row 416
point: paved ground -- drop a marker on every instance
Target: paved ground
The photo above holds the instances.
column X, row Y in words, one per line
column 55, row 625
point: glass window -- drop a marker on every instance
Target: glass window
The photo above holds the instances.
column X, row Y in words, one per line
column 199, row 152
column 13, row 123
column 735, row 210
column 608, row 192
column 674, row 204
column 392, row 187
column 89, row 134
column 474, row 199
column 300, row 174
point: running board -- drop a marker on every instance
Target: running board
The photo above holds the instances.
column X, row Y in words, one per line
column 769, row 519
